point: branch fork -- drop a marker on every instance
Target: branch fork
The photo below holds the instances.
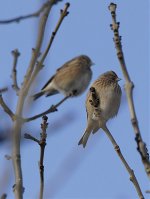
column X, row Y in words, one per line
column 42, row 144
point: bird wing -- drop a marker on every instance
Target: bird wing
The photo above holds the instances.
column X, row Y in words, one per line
column 48, row 82
column 68, row 64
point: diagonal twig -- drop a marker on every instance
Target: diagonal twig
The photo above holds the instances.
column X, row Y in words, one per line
column 141, row 146
column 20, row 18
column 30, row 137
column 4, row 196
column 95, row 102
column 2, row 90
column 6, row 108
column 39, row 65
column 53, row 108
column 15, row 86
column 129, row 170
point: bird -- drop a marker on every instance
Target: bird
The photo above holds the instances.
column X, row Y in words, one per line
column 71, row 79
column 102, row 103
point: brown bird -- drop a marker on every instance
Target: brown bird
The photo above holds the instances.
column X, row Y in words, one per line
column 70, row 79
column 102, row 103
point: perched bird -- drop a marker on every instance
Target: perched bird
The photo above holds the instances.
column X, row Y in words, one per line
column 102, row 103
column 70, row 79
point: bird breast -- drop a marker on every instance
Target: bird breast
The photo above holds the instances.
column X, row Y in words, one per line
column 109, row 102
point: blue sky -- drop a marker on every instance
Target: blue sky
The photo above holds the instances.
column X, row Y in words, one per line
column 72, row 172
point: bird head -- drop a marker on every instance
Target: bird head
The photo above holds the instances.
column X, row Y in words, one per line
column 111, row 75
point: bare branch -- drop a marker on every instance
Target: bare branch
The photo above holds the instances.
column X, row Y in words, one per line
column 6, row 108
column 30, row 137
column 39, row 65
column 2, row 90
column 141, row 146
column 42, row 143
column 63, row 14
column 147, row 191
column 16, row 156
column 53, row 108
column 95, row 101
column 15, row 86
column 20, row 18
column 129, row 170
column 4, row 196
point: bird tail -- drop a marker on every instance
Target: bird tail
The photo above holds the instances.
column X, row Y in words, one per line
column 37, row 95
column 84, row 138
column 92, row 127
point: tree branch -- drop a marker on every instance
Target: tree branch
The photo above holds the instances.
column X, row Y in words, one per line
column 129, row 170
column 95, row 102
column 39, row 65
column 141, row 146
column 42, row 143
column 6, row 108
column 4, row 196
column 30, row 137
column 17, row 126
column 15, row 86
column 2, row 90
column 20, row 18
column 53, row 108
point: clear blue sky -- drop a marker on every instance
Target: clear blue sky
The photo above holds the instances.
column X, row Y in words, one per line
column 72, row 172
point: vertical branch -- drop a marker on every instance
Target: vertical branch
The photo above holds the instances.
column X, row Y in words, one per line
column 42, row 144
column 4, row 196
column 141, row 146
column 15, row 86
column 16, row 156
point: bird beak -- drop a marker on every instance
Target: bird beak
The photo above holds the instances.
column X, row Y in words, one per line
column 92, row 63
column 118, row 79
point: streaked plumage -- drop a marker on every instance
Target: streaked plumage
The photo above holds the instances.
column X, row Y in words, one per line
column 72, row 78
column 108, row 92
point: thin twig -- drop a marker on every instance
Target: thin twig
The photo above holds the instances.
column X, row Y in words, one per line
column 2, row 90
column 95, row 102
column 53, row 108
column 63, row 14
column 42, row 143
column 30, row 137
column 15, row 86
column 147, row 191
column 39, row 65
column 20, row 18
column 4, row 196
column 141, row 146
column 6, row 108
column 129, row 170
